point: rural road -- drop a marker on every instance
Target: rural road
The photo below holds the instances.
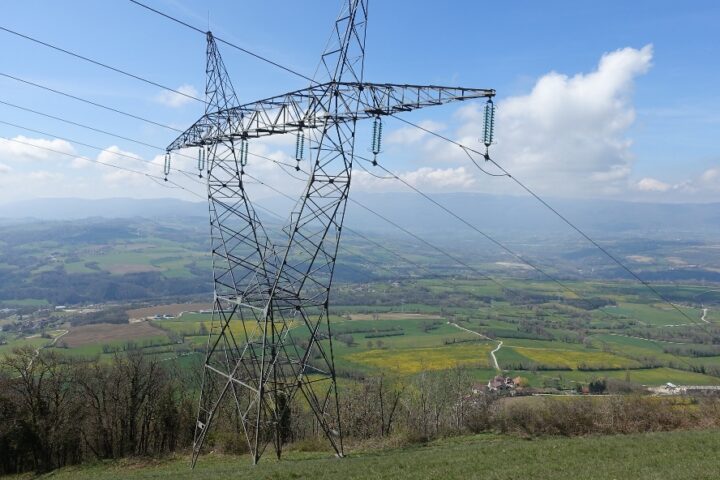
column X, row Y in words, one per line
column 492, row 354
column 51, row 344
column 702, row 319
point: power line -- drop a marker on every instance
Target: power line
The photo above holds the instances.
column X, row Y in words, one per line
column 283, row 165
column 93, row 129
column 473, row 227
column 101, row 64
column 176, row 169
column 119, row 154
column 89, row 102
column 417, row 237
column 355, row 232
column 466, row 149
column 81, row 125
column 244, row 50
column 107, row 164
column 280, row 164
column 160, row 180
column 557, row 213
column 519, row 257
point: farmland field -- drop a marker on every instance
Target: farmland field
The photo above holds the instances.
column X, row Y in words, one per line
column 546, row 338
column 103, row 332
column 384, row 316
column 414, row 360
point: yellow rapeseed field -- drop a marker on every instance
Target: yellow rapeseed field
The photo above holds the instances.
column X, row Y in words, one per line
column 413, row 360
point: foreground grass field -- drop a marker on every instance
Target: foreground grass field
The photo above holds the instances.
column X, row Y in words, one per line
column 666, row 456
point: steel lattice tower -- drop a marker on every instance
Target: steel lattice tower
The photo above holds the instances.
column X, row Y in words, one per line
column 264, row 288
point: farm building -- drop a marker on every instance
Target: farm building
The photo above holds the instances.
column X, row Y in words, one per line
column 501, row 382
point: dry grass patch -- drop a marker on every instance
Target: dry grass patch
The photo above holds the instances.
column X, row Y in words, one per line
column 106, row 332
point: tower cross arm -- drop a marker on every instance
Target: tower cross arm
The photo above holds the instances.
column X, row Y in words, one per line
column 315, row 106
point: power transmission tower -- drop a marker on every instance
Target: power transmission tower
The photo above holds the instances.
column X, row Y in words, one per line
column 271, row 339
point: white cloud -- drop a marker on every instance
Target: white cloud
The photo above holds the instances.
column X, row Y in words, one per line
column 569, row 134
column 653, row 185
column 115, row 156
column 44, row 176
column 711, row 175
column 175, row 100
column 25, row 149
column 438, row 178
column 4, row 168
column 425, row 178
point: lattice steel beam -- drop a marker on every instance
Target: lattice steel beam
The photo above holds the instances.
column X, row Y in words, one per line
column 270, row 338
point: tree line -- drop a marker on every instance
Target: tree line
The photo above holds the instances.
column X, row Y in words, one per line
column 56, row 410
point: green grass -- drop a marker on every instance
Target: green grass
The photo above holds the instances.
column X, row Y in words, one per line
column 657, row 315
column 96, row 349
column 649, row 377
column 26, row 302
column 651, row 456
column 36, row 342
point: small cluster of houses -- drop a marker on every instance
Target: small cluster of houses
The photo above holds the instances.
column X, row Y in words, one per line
column 499, row 383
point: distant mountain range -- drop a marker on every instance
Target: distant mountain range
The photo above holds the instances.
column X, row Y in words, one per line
column 501, row 215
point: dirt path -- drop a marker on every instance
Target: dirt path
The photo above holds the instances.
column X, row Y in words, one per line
column 647, row 339
column 492, row 354
column 702, row 319
column 51, row 344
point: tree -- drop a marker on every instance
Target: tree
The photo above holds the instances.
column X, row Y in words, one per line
column 47, row 406
column 203, row 330
column 598, row 386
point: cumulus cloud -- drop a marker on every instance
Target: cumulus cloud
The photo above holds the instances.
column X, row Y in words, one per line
column 711, row 175
column 569, row 134
column 115, row 156
column 653, row 185
column 45, row 176
column 25, row 149
column 175, row 100
column 426, row 178
column 438, row 178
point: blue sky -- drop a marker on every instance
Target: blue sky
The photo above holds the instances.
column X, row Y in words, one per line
column 664, row 107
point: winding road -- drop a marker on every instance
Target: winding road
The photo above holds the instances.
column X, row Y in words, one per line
column 51, row 344
column 492, row 354
column 702, row 319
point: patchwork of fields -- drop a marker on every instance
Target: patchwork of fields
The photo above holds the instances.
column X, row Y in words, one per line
column 549, row 340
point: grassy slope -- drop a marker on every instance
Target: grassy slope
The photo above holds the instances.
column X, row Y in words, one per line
column 666, row 456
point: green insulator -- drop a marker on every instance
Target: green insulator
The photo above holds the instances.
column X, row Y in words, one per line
column 300, row 146
column 489, row 127
column 377, row 135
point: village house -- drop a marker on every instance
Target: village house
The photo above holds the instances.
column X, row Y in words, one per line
column 501, row 382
